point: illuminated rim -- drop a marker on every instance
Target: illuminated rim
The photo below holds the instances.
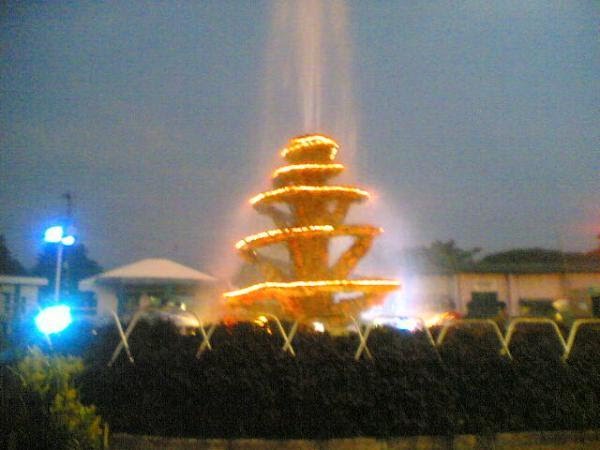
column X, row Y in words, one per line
column 292, row 191
column 305, row 288
column 310, row 141
column 283, row 234
column 333, row 169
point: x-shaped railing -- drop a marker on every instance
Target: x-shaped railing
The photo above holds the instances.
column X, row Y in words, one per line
column 287, row 336
column 566, row 346
column 364, row 329
column 124, row 335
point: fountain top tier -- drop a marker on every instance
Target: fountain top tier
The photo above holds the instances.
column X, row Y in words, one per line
column 311, row 148
column 305, row 179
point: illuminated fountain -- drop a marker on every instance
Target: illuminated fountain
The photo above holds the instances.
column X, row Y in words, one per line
column 308, row 213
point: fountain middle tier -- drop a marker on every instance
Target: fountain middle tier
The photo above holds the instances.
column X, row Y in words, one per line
column 305, row 174
column 278, row 235
column 309, row 288
column 292, row 193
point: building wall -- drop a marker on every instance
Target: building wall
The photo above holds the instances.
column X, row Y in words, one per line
column 106, row 298
column 583, row 281
column 541, row 286
column 431, row 291
column 23, row 291
column 482, row 282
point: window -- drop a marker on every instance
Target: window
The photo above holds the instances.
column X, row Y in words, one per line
column 537, row 307
column 483, row 305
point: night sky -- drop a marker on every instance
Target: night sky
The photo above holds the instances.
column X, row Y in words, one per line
column 474, row 121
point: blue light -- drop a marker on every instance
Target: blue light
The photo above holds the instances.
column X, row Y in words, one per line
column 54, row 234
column 53, row 319
column 68, row 240
column 400, row 323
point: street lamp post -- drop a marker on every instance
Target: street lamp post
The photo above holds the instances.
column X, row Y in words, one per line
column 57, row 235
column 58, row 273
column 55, row 318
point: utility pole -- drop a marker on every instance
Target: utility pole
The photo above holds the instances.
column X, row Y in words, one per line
column 69, row 198
column 69, row 230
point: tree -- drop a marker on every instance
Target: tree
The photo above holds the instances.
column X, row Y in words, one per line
column 45, row 406
column 8, row 264
column 440, row 256
column 76, row 266
column 528, row 255
column 541, row 259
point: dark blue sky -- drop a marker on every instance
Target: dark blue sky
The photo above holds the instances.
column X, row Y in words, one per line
column 477, row 123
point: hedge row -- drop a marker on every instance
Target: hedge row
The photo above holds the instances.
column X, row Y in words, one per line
column 248, row 387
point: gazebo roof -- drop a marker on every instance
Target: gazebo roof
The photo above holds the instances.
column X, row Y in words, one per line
column 151, row 270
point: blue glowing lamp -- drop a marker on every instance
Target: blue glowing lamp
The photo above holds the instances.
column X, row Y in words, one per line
column 56, row 235
column 53, row 319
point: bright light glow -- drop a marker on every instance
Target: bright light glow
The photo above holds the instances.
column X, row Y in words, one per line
column 442, row 318
column 356, row 193
column 308, row 168
column 261, row 321
column 53, row 319
column 400, row 323
column 319, row 327
column 54, row 234
column 68, row 240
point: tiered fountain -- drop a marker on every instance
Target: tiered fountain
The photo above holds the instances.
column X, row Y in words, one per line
column 308, row 213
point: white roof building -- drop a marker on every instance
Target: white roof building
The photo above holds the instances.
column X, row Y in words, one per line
column 152, row 270
column 155, row 281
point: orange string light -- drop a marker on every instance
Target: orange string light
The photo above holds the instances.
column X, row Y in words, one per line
column 294, row 285
column 311, row 141
column 307, row 168
column 306, row 231
column 359, row 194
